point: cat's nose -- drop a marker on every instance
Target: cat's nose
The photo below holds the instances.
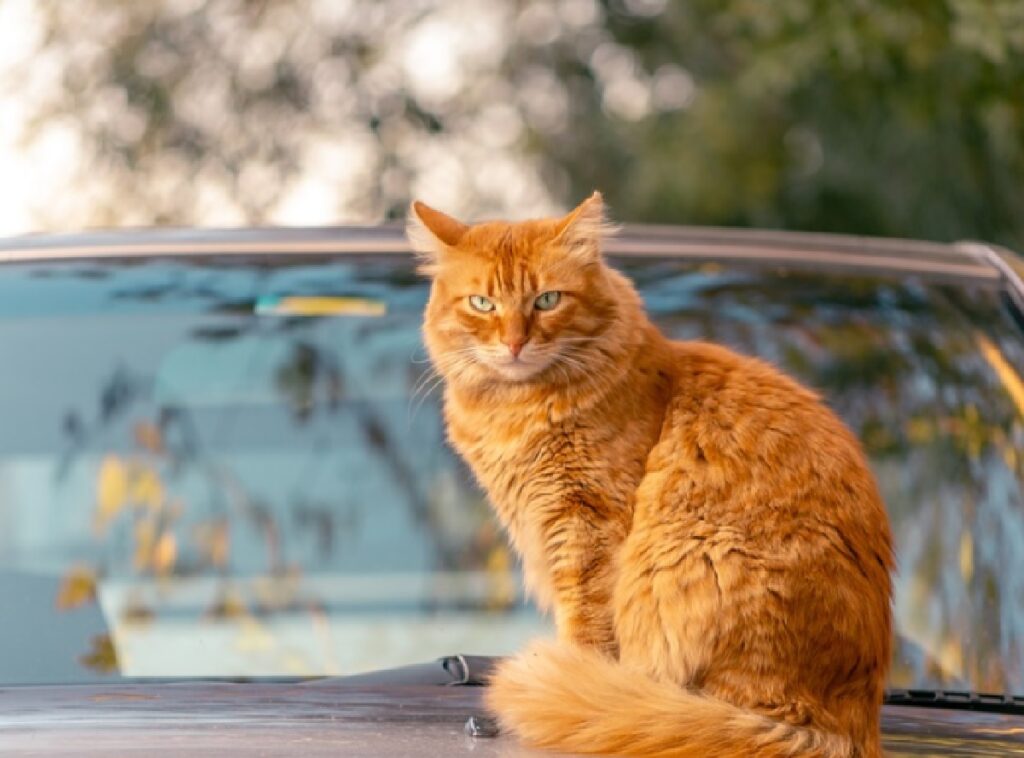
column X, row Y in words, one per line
column 515, row 346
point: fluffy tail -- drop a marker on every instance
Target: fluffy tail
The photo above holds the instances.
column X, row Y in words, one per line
column 576, row 700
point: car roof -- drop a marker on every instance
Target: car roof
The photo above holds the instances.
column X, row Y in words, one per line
column 961, row 261
column 388, row 717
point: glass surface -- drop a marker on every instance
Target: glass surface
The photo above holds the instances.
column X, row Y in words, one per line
column 238, row 467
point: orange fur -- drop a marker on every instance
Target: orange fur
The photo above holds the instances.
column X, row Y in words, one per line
column 705, row 531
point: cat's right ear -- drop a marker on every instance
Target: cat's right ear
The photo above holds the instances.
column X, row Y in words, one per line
column 431, row 234
column 582, row 232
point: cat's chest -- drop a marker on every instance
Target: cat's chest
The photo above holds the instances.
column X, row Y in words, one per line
column 522, row 458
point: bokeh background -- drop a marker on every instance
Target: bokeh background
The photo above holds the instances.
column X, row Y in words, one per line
column 146, row 500
column 873, row 117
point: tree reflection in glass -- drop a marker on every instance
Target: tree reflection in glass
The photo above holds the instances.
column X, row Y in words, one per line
column 215, row 467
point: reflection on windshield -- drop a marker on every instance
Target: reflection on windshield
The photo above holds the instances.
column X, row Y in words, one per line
column 239, row 469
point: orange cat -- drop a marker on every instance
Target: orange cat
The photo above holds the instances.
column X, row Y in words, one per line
column 706, row 533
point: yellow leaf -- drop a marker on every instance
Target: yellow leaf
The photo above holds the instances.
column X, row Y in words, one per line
column 231, row 605
column 321, row 306
column 146, row 488
column 77, row 588
column 165, row 553
column 501, row 590
column 1012, row 381
column 111, row 489
column 966, row 556
column 951, row 657
column 498, row 560
column 220, row 546
column 102, row 656
column 919, row 430
column 145, row 542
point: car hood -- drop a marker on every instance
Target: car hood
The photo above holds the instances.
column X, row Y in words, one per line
column 414, row 711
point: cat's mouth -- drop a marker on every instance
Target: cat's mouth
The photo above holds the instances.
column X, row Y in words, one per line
column 516, row 369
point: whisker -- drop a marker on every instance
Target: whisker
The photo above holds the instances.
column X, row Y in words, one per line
column 571, row 361
column 419, row 396
column 451, row 365
column 422, row 383
column 425, row 376
column 423, row 397
column 412, row 356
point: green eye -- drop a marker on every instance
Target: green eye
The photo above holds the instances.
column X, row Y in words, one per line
column 481, row 303
column 547, row 300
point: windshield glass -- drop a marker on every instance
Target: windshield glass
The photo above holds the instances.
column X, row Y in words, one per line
column 238, row 467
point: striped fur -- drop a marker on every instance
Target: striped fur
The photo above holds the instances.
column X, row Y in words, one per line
column 706, row 533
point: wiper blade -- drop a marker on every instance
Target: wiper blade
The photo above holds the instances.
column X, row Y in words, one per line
column 469, row 669
column 957, row 700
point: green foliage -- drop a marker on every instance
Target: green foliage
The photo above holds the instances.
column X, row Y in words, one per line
column 900, row 119
column 872, row 116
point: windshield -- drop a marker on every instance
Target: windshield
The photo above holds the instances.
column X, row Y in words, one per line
column 238, row 467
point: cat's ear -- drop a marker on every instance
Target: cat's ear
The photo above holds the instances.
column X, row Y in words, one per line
column 583, row 229
column 431, row 233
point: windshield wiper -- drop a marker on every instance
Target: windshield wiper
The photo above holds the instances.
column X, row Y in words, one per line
column 475, row 670
column 957, row 700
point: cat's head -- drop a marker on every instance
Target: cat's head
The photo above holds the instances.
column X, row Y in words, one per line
column 521, row 302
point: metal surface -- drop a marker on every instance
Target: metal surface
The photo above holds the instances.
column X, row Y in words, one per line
column 1002, row 260
column 697, row 243
column 336, row 717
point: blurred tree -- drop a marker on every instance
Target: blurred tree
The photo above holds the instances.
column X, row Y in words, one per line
column 255, row 111
column 901, row 119
column 868, row 117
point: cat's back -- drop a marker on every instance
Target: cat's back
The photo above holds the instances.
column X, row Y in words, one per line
column 765, row 448
column 758, row 506
column 742, row 411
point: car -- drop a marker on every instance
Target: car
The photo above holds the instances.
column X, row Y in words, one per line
column 229, row 521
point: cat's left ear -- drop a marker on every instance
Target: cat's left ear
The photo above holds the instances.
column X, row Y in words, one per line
column 582, row 231
column 431, row 234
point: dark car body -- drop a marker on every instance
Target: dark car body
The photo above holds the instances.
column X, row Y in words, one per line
column 417, row 711
column 423, row 710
